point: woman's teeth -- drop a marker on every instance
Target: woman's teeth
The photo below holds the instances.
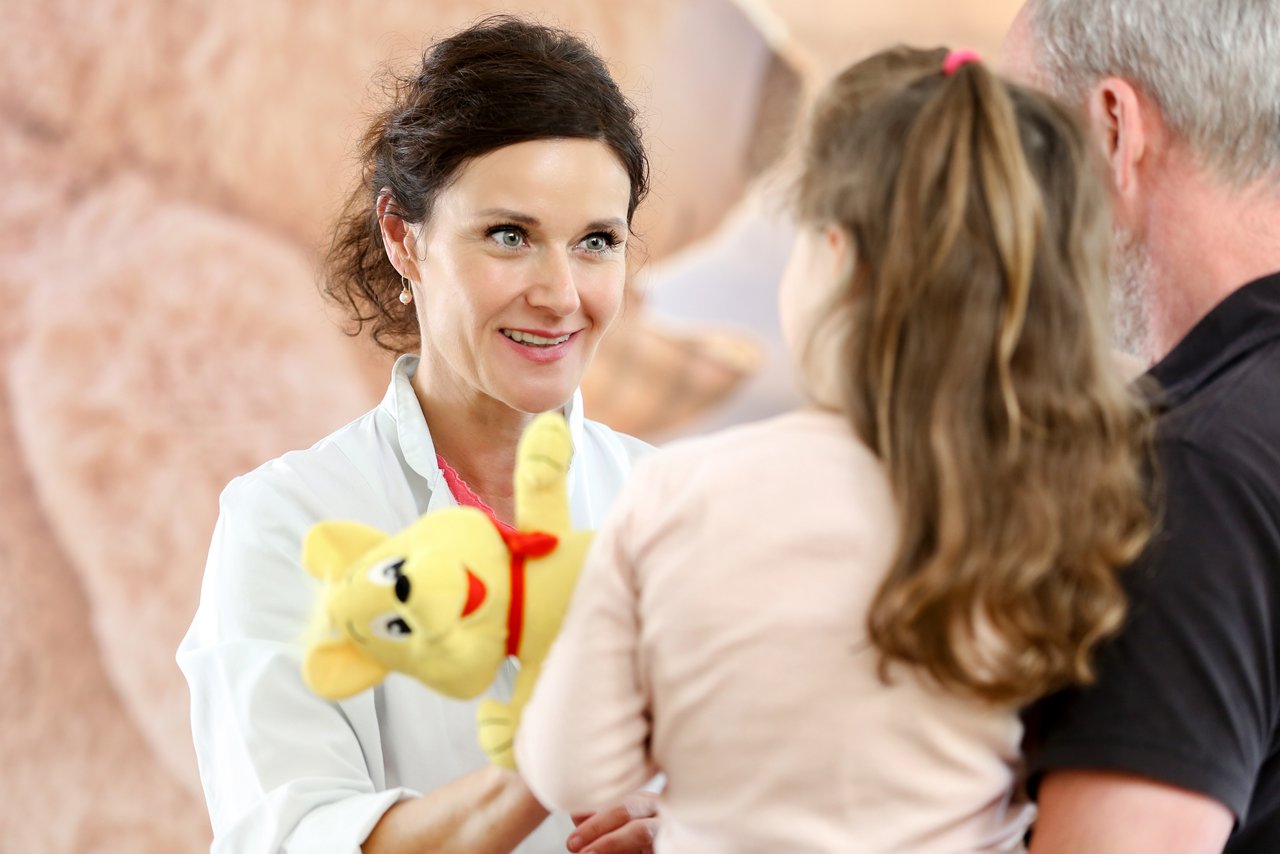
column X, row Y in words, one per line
column 534, row 340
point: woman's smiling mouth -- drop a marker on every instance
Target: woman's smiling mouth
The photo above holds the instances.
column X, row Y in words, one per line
column 532, row 339
column 541, row 347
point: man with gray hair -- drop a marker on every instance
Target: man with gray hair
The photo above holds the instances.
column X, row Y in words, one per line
column 1176, row 747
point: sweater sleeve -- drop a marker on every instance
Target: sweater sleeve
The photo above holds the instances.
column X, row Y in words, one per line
column 583, row 739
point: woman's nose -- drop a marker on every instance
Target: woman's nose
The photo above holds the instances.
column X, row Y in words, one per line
column 554, row 289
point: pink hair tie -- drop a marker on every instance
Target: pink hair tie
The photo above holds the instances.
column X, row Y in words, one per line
column 957, row 58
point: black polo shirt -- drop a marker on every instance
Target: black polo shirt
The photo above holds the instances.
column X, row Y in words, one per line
column 1189, row 693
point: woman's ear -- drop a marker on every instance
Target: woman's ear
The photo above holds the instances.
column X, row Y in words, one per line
column 398, row 237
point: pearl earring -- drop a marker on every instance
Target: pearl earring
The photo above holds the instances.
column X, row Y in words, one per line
column 406, row 295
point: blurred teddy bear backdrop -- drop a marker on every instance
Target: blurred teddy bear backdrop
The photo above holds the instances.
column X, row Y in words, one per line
column 170, row 170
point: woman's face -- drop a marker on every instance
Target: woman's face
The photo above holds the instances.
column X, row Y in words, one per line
column 520, row 272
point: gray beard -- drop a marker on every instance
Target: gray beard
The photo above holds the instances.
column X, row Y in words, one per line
column 1131, row 279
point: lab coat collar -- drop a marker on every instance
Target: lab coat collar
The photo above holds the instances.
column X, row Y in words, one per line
column 414, row 437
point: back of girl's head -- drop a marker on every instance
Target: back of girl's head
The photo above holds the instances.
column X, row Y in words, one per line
column 500, row 82
column 974, row 361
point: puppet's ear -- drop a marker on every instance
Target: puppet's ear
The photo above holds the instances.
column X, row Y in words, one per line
column 331, row 547
column 336, row 669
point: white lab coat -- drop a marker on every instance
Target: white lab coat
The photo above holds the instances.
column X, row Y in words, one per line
column 282, row 769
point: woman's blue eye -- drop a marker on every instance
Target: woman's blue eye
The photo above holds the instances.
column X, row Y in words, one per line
column 599, row 242
column 509, row 238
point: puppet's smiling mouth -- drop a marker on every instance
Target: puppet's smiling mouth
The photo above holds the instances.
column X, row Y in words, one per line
column 351, row 630
column 475, row 594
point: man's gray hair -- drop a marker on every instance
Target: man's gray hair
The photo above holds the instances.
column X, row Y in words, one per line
column 1211, row 66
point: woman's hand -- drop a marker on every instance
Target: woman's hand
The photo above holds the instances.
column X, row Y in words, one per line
column 627, row 827
column 485, row 812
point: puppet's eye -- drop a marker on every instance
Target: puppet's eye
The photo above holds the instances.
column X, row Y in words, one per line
column 391, row 626
column 385, row 572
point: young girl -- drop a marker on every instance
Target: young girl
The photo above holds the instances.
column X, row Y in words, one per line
column 820, row 627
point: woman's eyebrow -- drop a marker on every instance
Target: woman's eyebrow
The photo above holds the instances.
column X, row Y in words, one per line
column 508, row 215
column 616, row 222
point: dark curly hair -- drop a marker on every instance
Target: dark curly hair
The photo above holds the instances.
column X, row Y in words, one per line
column 502, row 81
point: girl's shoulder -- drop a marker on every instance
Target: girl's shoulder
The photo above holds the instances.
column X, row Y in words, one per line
column 786, row 437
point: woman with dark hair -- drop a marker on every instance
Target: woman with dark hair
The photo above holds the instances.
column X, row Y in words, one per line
column 487, row 245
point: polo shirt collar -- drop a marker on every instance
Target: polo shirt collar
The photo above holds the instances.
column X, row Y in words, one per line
column 1244, row 321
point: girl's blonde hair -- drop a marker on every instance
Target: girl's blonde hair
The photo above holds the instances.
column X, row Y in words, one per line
column 973, row 331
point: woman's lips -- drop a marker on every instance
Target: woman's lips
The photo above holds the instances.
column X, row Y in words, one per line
column 541, row 353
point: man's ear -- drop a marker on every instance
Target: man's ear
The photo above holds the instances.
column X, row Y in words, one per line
column 1117, row 115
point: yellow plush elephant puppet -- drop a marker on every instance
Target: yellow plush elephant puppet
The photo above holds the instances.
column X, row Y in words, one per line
column 447, row 599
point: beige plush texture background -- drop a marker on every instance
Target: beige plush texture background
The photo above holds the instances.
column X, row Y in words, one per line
column 169, row 170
